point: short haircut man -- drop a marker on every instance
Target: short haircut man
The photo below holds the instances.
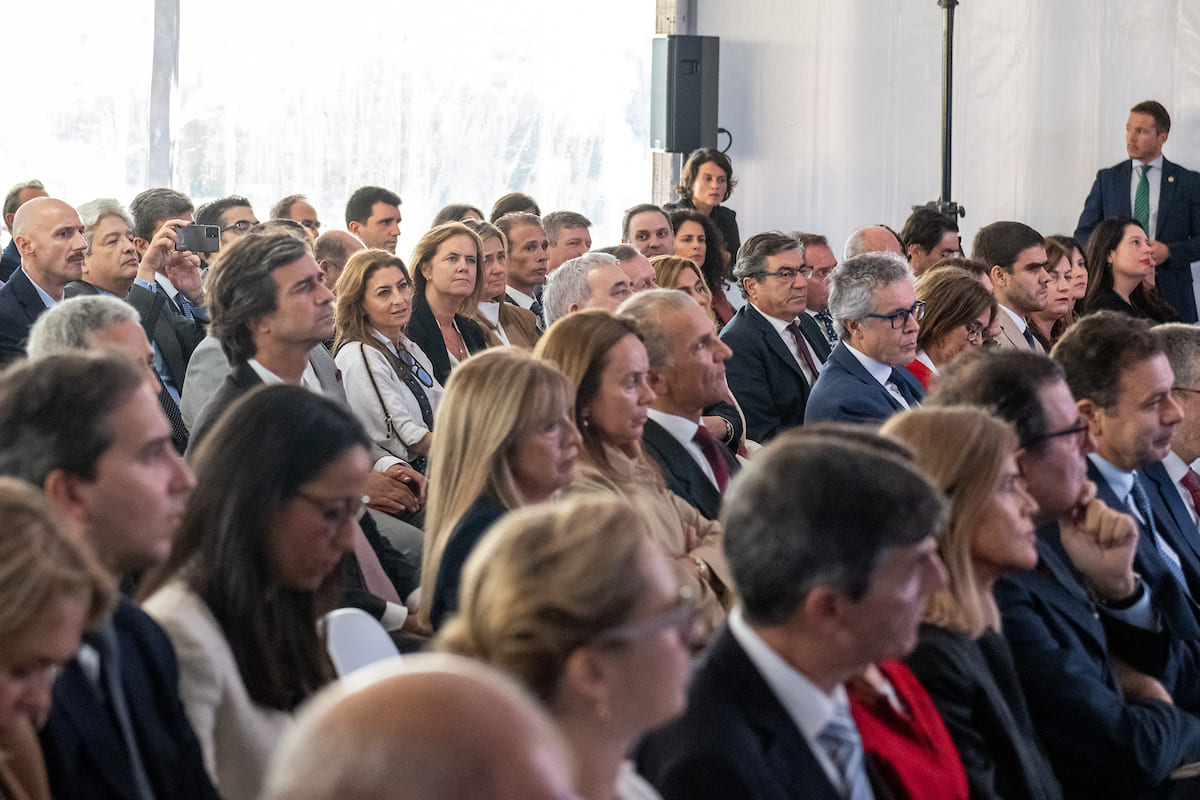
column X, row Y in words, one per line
column 17, row 196
column 1181, row 344
column 569, row 236
column 1161, row 196
column 332, row 250
column 437, row 727
column 373, row 215
column 1062, row 652
column 1122, row 384
column 874, row 307
column 872, row 239
column 1016, row 257
column 49, row 235
column 528, row 258
column 687, row 374
column 85, row 429
column 297, row 208
column 820, row 256
column 593, row 280
column 806, row 597
column 778, row 350
column 152, row 210
column 636, row 266
column 648, row 228
column 928, row 236
column 233, row 215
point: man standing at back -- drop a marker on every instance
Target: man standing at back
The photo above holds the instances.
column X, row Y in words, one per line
column 1016, row 257
column 1163, row 197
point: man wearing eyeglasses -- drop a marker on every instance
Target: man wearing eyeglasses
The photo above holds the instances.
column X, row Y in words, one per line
column 1016, row 257
column 1173, row 477
column 778, row 350
column 233, row 215
column 873, row 304
column 1109, row 733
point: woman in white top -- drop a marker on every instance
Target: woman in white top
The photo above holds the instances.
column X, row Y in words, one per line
column 388, row 379
column 574, row 600
column 279, row 488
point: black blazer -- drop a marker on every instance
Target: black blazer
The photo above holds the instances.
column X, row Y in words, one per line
column 1100, row 745
column 846, row 392
column 173, row 334
column 735, row 741
column 85, row 753
column 20, row 305
column 681, row 472
column 763, row 374
column 480, row 517
column 423, row 330
column 974, row 685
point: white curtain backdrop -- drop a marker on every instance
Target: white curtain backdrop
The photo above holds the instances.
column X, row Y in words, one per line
column 834, row 105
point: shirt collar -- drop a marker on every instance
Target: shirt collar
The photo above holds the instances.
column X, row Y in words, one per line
column 779, row 325
column 880, row 372
column 1120, row 481
column 521, row 299
column 1175, row 466
column 308, row 380
column 47, row 300
column 1017, row 318
column 1156, row 163
column 681, row 428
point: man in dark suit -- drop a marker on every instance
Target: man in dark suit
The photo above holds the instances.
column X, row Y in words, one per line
column 49, row 235
column 1174, row 478
column 117, row 728
column 767, row 716
column 877, row 314
column 687, row 374
column 778, row 350
column 1162, row 196
column 17, row 196
column 1108, row 735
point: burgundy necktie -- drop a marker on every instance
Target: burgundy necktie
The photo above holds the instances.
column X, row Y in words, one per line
column 801, row 345
column 708, row 446
column 1191, row 482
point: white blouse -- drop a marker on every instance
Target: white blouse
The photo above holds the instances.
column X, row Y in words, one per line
column 353, row 360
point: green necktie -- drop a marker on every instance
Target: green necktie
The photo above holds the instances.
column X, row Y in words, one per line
column 1141, row 200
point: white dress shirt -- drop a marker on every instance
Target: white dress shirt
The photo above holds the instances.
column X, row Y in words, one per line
column 789, row 341
column 519, row 297
column 878, row 371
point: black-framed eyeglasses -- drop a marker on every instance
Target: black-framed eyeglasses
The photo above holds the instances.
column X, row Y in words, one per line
column 900, row 318
column 336, row 513
column 788, row 274
column 974, row 331
column 1079, row 428
column 242, row 226
column 408, row 361
column 682, row 616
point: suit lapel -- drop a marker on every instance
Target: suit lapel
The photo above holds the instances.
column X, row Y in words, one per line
column 683, row 468
column 774, row 342
column 1166, row 194
column 1172, row 519
column 815, row 337
column 31, row 302
column 1064, row 589
column 1124, row 177
column 81, row 709
column 842, row 356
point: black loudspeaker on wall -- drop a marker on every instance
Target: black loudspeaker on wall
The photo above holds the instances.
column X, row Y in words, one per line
column 683, row 92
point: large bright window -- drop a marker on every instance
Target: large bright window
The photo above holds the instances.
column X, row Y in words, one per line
column 441, row 102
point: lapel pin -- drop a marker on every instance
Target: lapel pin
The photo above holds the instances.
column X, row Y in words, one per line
column 1170, row 179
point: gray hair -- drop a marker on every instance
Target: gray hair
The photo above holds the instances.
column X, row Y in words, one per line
column 852, row 284
column 92, row 212
column 645, row 310
column 754, row 252
column 568, row 284
column 69, row 325
column 1181, row 343
column 12, row 200
column 556, row 221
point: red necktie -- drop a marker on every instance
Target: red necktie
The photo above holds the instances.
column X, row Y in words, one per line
column 801, row 345
column 708, row 446
column 1191, row 482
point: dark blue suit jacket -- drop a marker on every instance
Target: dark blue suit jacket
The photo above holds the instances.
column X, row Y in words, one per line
column 681, row 472
column 20, row 305
column 763, row 374
column 9, row 261
column 846, row 392
column 1178, row 224
column 85, row 753
column 1100, row 745
column 1182, row 532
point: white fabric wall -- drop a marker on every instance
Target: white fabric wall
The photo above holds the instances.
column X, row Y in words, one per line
column 834, row 105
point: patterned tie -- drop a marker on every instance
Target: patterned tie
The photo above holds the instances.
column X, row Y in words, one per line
column 1191, row 482
column 179, row 431
column 184, row 306
column 1141, row 200
column 1170, row 560
column 840, row 740
column 709, row 446
column 826, row 320
column 798, row 334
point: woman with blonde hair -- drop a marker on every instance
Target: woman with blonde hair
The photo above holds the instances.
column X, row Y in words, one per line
column 388, row 378
column 676, row 272
column 961, row 658
column 447, row 286
column 605, row 358
column 503, row 322
column 505, row 440
column 573, row 600
column 51, row 589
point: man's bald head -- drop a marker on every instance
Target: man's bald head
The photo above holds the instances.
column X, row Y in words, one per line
column 872, row 239
column 434, row 727
column 49, row 236
column 332, row 250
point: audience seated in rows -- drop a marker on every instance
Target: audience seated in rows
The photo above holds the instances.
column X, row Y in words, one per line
column 503, row 322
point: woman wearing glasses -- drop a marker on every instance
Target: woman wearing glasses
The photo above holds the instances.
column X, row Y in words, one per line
column 252, row 569
column 958, row 312
column 574, row 601
column 388, row 379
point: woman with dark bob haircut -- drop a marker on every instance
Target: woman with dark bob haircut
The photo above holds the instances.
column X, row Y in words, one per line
column 280, row 482
column 706, row 183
